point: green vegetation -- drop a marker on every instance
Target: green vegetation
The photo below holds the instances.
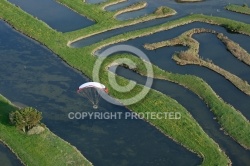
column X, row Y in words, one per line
column 244, row 9
column 163, row 10
column 185, row 131
column 26, row 118
column 43, row 149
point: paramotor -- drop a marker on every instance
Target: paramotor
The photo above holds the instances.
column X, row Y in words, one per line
column 91, row 91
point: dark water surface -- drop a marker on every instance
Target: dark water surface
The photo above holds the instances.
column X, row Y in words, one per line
column 238, row 155
column 54, row 14
column 7, row 158
column 34, row 76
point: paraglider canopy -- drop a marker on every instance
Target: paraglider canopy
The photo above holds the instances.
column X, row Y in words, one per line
column 91, row 91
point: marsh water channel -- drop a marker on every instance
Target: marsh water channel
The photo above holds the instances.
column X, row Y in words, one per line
column 34, row 76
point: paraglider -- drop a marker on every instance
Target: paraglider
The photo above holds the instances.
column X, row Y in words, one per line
column 91, row 91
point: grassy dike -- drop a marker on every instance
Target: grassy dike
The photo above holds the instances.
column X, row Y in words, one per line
column 238, row 9
column 43, row 149
column 186, row 131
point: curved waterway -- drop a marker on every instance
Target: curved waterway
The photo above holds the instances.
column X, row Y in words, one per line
column 238, row 155
column 163, row 58
column 34, row 76
column 54, row 14
column 7, row 158
column 208, row 7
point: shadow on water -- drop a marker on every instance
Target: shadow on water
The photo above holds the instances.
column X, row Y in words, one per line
column 54, row 14
column 238, row 155
column 32, row 75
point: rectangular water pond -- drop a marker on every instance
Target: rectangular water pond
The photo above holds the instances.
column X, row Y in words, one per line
column 56, row 15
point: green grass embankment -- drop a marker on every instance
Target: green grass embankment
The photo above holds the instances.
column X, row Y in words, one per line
column 239, row 9
column 43, row 149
